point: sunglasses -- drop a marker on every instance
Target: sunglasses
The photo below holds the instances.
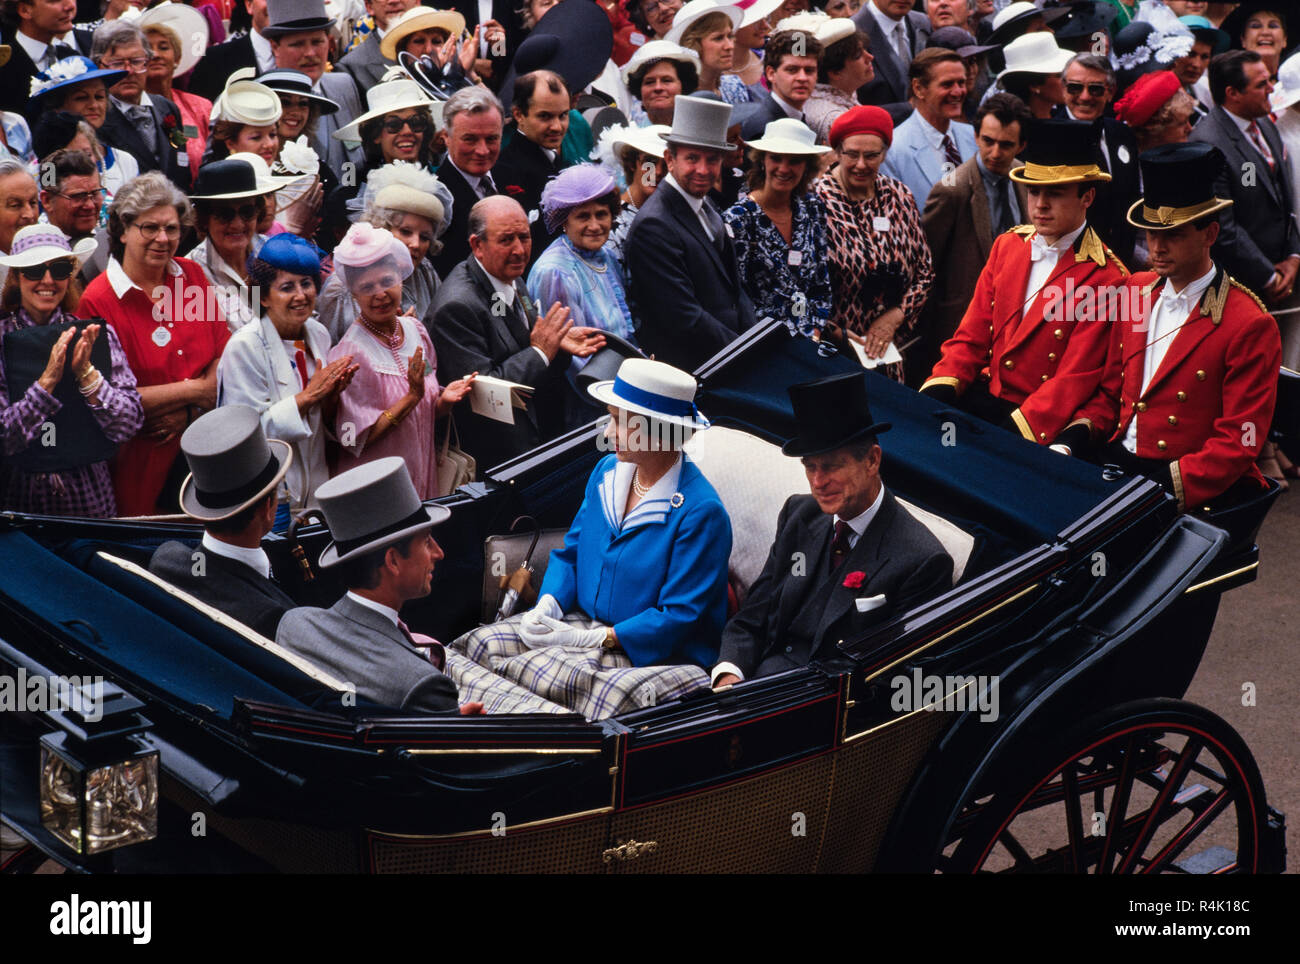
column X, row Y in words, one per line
column 416, row 122
column 58, row 270
column 1075, row 88
column 245, row 212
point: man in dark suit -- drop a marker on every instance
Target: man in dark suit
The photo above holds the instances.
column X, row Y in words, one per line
column 790, row 67
column 487, row 324
column 500, row 49
column 830, row 579
column 473, row 119
column 234, row 479
column 1089, row 82
column 962, row 216
column 540, row 108
column 247, row 50
column 39, row 34
column 386, row 553
column 1258, row 241
column 684, row 283
column 897, row 33
column 147, row 126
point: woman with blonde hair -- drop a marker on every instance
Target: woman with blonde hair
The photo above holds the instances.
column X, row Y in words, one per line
column 709, row 29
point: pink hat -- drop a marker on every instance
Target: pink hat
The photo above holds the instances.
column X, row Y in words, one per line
column 364, row 245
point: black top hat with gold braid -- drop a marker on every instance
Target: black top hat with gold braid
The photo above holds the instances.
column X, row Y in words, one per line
column 1179, row 183
column 1061, row 151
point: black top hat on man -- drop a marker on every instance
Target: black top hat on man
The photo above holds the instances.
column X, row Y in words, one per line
column 1061, row 151
column 604, row 364
column 232, row 463
column 1179, row 185
column 830, row 413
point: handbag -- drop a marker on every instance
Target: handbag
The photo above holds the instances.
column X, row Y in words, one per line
column 456, row 467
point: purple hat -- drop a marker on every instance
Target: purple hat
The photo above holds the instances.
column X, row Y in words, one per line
column 571, row 188
column 41, row 243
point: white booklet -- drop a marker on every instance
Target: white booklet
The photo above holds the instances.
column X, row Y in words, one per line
column 496, row 398
column 890, row 356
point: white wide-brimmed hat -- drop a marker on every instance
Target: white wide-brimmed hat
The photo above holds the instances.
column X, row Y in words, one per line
column 232, row 463
column 1287, row 91
column 415, row 20
column 753, row 11
column 372, row 506
column 384, row 98
column 1035, row 53
column 39, row 243
column 652, row 388
column 647, row 140
column 788, row 135
column 701, row 8
column 190, row 27
column 659, row 50
column 245, row 101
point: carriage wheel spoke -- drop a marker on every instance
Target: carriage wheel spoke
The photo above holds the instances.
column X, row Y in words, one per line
column 1177, row 773
column 1185, row 836
column 1073, row 816
column 1119, row 804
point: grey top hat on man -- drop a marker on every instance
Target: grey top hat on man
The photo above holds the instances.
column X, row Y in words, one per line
column 372, row 506
column 232, row 463
column 700, row 123
column 295, row 16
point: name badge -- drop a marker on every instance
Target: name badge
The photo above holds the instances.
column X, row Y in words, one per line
column 533, row 215
column 183, row 158
column 879, row 223
column 794, row 258
column 1122, row 153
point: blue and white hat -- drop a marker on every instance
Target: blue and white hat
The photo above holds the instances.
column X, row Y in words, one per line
column 69, row 71
column 654, row 389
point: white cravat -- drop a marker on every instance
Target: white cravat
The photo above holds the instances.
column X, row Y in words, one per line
column 1044, row 258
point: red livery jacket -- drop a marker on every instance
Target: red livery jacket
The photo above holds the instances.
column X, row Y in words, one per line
column 1209, row 405
column 1047, row 357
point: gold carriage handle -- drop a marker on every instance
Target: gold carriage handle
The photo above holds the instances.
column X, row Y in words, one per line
column 629, row 851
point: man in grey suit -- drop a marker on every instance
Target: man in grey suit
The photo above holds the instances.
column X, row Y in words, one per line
column 872, row 560
column 235, row 474
column 365, row 63
column 299, row 41
column 386, row 551
column 897, row 33
column 1258, row 243
column 486, row 323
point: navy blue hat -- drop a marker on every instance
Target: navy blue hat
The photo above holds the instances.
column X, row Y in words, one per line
column 288, row 252
column 1179, row 182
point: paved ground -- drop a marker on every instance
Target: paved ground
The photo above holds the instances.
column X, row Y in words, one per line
column 1257, row 639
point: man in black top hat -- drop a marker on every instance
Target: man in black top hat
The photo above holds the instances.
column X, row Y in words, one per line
column 235, row 473
column 830, row 579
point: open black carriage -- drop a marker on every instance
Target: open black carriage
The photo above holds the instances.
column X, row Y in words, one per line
column 1028, row 719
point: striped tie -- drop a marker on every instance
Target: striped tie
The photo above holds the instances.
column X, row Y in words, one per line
column 950, row 151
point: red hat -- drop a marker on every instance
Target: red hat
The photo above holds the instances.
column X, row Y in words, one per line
column 867, row 119
column 1147, row 95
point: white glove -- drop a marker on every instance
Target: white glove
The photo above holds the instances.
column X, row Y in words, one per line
column 547, row 606
column 537, row 630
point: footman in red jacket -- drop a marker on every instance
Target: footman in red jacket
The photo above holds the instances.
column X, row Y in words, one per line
column 1031, row 348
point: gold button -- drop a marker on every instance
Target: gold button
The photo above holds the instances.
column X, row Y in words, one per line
column 990, row 329
column 1200, row 376
column 1059, row 334
column 1173, row 419
column 1162, row 445
column 1182, row 396
column 1009, row 364
column 1141, row 406
column 990, row 354
column 1043, row 379
column 1051, row 356
column 1042, row 436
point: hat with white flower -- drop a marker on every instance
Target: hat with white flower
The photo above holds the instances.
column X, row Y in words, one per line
column 69, row 71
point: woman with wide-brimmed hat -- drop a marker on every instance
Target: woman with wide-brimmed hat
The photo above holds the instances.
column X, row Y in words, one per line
column 84, row 397
column 779, row 228
column 395, row 398
column 709, row 29
column 177, row 35
column 399, row 126
column 654, row 76
column 245, row 119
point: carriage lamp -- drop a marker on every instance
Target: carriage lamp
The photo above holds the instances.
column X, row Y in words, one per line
column 99, row 778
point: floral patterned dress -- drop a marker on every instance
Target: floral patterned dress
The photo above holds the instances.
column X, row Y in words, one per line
column 789, row 282
column 878, row 255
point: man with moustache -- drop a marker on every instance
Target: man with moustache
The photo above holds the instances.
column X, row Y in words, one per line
column 934, row 141
column 72, row 202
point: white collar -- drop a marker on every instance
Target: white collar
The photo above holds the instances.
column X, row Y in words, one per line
column 1242, row 124
column 887, row 23
column 121, row 284
column 696, row 203
column 1191, row 293
column 785, row 105
column 504, row 289
column 932, row 133
column 255, row 559
column 860, row 522
column 122, row 104
column 36, row 49
column 654, row 507
column 388, row 612
column 261, row 51
column 1063, row 243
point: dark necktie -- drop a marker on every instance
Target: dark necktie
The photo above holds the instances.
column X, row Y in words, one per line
column 950, row 151
column 1005, row 219
column 59, row 52
column 716, row 227
column 840, row 543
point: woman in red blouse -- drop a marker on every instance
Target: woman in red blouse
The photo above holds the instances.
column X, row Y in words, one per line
column 165, row 314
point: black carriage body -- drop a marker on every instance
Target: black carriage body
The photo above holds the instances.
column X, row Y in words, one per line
column 1079, row 586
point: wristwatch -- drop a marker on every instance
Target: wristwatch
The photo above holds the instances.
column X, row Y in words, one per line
column 610, row 641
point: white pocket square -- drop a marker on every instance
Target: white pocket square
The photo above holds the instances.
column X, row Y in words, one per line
column 867, row 603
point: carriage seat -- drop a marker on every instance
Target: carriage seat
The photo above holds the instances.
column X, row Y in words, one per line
column 729, row 458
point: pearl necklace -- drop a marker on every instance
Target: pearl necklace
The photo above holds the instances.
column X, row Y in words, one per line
column 641, row 490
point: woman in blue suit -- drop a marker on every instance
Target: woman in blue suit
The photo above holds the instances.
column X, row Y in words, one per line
column 647, row 553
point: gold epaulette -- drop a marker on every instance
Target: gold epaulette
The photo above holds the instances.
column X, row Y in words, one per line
column 1125, row 272
column 1253, row 297
column 1091, row 248
column 1024, row 230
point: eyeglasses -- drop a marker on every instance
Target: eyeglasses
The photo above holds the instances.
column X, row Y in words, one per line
column 245, row 212
column 82, row 197
column 135, row 64
column 852, row 157
column 382, row 283
column 418, row 124
column 150, row 231
column 60, row 270
column 1074, row 89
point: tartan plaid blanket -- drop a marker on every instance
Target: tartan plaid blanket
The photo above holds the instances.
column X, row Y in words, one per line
column 596, row 682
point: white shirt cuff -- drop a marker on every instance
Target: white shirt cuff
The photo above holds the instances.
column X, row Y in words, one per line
column 722, row 669
column 545, row 360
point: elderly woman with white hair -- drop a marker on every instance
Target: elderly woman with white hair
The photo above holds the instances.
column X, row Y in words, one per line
column 395, row 398
column 415, row 206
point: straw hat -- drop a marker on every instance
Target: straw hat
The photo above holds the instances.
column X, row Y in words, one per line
column 385, row 98
column 415, row 20
column 652, row 388
column 40, row 243
column 1035, row 53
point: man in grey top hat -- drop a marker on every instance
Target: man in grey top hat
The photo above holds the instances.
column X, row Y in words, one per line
column 684, row 283
column 235, row 473
column 383, row 544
